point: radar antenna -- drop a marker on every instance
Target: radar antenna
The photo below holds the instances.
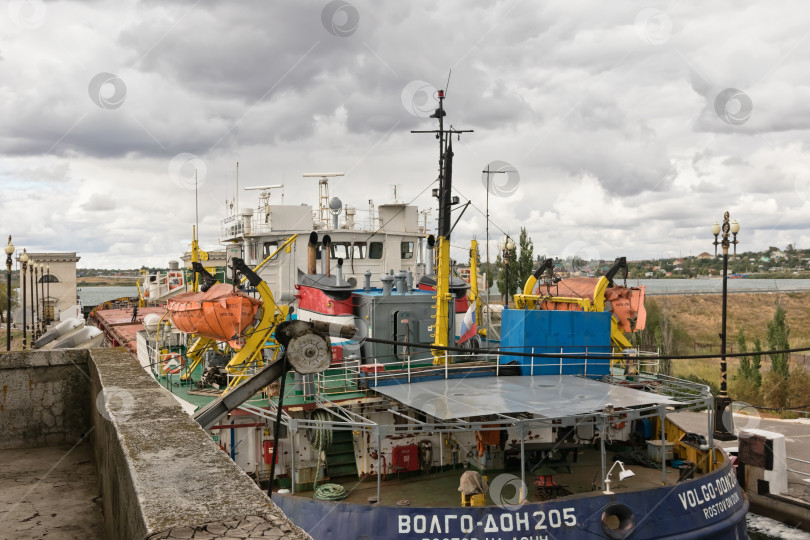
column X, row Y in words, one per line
column 323, row 194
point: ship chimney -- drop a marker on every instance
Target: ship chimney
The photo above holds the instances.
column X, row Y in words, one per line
column 431, row 241
column 312, row 253
column 387, row 283
column 368, row 281
column 326, row 263
column 402, row 279
column 339, row 278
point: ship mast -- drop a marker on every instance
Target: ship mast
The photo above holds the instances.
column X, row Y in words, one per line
column 446, row 200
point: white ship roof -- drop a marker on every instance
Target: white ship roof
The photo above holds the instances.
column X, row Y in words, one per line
column 551, row 396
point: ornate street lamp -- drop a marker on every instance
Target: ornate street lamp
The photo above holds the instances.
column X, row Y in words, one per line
column 723, row 417
column 24, row 261
column 9, row 249
column 507, row 245
column 48, row 312
column 42, row 296
column 31, row 266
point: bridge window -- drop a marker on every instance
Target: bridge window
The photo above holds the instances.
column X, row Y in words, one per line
column 340, row 250
column 407, row 250
column 269, row 249
column 375, row 250
column 359, row 251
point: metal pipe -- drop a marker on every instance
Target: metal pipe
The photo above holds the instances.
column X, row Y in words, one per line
column 379, row 471
column 602, row 426
column 367, row 284
column 312, row 253
column 522, row 463
column 662, row 412
column 327, row 252
column 339, row 276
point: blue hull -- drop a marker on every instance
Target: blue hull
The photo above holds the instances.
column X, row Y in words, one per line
column 712, row 506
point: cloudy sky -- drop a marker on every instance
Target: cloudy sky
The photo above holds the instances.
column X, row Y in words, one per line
column 632, row 125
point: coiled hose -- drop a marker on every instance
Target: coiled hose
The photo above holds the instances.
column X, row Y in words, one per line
column 321, row 439
column 330, row 492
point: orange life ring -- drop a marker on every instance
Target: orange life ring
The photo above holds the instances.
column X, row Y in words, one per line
column 618, row 426
column 168, row 367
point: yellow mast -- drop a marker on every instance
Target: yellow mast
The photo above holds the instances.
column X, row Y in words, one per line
column 474, row 296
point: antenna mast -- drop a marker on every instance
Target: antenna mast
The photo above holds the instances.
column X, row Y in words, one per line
column 446, row 200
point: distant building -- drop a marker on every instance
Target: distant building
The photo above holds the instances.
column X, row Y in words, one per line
column 57, row 285
column 705, row 255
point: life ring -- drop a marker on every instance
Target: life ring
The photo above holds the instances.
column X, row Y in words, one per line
column 172, row 363
column 618, row 425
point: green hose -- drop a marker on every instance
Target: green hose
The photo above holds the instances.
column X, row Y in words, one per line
column 330, row 492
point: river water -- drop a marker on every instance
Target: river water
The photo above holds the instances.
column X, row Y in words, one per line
column 93, row 296
column 715, row 286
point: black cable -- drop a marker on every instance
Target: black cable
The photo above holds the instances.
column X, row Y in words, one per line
column 579, row 356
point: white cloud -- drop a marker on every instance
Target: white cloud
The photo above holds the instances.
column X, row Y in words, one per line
column 616, row 138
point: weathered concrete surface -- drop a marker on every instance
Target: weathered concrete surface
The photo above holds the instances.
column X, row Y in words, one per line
column 44, row 398
column 49, row 493
column 161, row 475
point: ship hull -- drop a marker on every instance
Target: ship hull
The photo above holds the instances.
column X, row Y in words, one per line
column 712, row 506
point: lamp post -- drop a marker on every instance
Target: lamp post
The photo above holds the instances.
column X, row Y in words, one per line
column 42, row 324
column 9, row 249
column 723, row 417
column 48, row 312
column 31, row 266
column 507, row 245
column 24, row 261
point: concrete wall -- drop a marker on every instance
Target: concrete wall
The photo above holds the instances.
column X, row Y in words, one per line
column 160, row 475
column 44, row 398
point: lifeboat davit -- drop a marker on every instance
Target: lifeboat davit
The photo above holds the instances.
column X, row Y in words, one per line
column 626, row 303
column 220, row 313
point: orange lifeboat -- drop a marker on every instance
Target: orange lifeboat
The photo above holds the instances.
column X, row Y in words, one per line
column 220, row 313
column 626, row 303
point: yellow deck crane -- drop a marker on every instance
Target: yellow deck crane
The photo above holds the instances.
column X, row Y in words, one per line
column 257, row 337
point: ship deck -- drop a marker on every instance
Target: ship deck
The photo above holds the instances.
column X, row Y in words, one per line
column 120, row 327
column 440, row 489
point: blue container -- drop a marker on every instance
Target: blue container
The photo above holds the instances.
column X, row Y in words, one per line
column 566, row 332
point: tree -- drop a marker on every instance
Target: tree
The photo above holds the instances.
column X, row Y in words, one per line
column 525, row 262
column 756, row 364
column 507, row 289
column 4, row 300
column 777, row 336
column 744, row 372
